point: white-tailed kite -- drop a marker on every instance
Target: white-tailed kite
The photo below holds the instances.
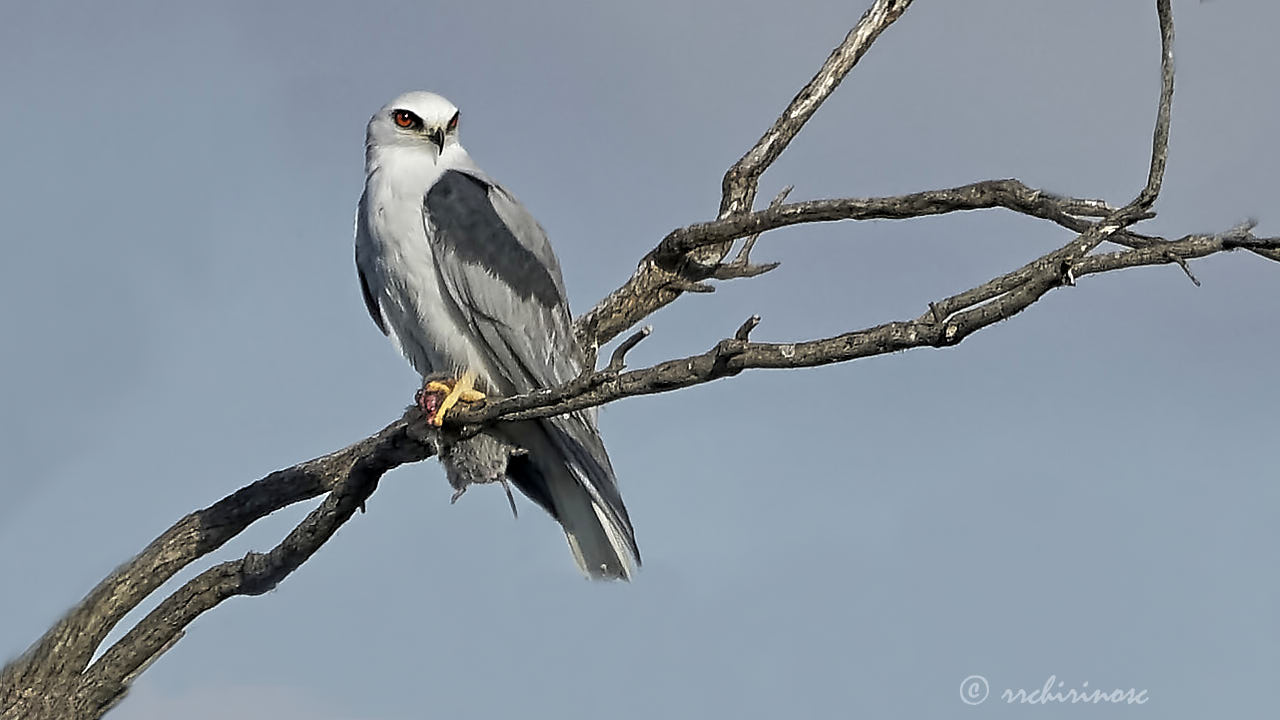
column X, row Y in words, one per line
column 462, row 279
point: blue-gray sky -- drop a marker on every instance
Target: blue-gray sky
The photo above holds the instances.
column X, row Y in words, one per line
column 1087, row 491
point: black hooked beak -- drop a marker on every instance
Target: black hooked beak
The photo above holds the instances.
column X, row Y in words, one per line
column 437, row 137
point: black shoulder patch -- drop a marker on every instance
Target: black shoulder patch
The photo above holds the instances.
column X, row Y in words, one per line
column 463, row 220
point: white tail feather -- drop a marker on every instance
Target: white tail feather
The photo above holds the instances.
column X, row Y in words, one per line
column 599, row 538
column 599, row 547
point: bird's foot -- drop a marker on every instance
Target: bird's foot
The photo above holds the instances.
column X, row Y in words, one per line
column 437, row 398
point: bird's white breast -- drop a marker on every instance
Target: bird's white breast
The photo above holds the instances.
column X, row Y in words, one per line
column 415, row 306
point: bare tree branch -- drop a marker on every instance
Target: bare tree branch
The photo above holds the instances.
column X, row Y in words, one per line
column 739, row 185
column 742, row 267
column 731, row 356
column 1009, row 194
column 655, row 285
column 54, row 679
column 349, row 475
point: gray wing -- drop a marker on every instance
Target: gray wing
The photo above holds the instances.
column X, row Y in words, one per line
column 498, row 268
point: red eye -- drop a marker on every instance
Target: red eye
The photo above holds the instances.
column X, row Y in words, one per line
column 406, row 119
column 453, row 123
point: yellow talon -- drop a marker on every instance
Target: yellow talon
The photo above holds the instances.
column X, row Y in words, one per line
column 463, row 389
column 469, row 396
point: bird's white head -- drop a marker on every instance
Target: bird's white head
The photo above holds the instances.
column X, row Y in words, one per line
column 417, row 126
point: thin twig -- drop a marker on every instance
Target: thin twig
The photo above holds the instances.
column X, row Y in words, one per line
column 618, row 361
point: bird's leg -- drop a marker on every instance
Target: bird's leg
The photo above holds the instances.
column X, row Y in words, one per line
column 463, row 389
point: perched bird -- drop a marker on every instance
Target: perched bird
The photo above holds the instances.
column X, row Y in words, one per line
column 463, row 280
